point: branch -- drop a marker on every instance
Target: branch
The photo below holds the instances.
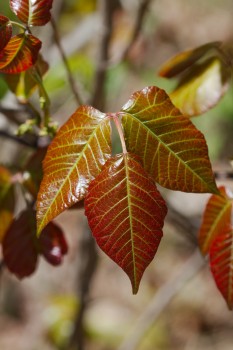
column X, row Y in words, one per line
column 19, row 140
column 107, row 9
column 66, row 64
column 162, row 299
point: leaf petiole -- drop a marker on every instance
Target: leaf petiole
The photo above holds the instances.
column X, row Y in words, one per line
column 117, row 122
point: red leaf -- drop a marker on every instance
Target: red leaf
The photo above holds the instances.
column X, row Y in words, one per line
column 173, row 151
column 221, row 257
column 19, row 250
column 52, row 244
column 32, row 12
column 126, row 213
column 216, row 219
column 7, row 201
column 5, row 31
column 20, row 53
column 74, row 158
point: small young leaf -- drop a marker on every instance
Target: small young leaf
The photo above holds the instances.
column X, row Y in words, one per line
column 184, row 60
column 21, row 246
column 19, row 54
column 5, row 31
column 201, row 87
column 221, row 257
column 173, row 151
column 7, row 201
column 126, row 214
column 19, row 250
column 74, row 158
column 32, row 12
column 52, row 244
column 23, row 84
column 216, row 219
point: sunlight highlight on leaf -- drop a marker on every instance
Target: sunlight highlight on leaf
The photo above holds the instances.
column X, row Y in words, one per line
column 32, row 12
column 126, row 214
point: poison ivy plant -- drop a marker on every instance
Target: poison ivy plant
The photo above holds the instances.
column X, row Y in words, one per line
column 124, row 208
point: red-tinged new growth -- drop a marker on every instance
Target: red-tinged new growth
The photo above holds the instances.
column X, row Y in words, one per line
column 126, row 214
column 32, row 12
column 221, row 263
column 216, row 219
column 171, row 148
column 74, row 158
column 19, row 54
column 5, row 32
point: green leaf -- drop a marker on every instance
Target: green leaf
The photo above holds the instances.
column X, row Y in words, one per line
column 5, row 31
column 7, row 201
column 201, row 87
column 185, row 59
column 23, row 84
column 216, row 219
column 32, row 12
column 19, row 54
column 173, row 151
column 74, row 158
column 126, row 213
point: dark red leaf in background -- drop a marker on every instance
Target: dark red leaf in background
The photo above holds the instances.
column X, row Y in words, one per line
column 5, row 31
column 32, row 12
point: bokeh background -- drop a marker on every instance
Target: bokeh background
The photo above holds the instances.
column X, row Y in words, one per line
column 38, row 312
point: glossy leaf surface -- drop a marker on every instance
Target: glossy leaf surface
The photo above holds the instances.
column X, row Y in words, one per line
column 20, row 53
column 185, row 59
column 23, row 84
column 52, row 244
column 221, row 262
column 173, row 151
column 7, row 201
column 32, row 12
column 74, row 158
column 216, row 219
column 5, row 31
column 201, row 88
column 126, row 213
column 21, row 246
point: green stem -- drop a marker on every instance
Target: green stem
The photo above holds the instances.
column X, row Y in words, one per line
column 21, row 26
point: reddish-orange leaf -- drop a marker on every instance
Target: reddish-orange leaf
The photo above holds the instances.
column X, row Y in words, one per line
column 126, row 214
column 221, row 263
column 216, row 219
column 7, row 201
column 32, row 12
column 184, row 60
column 5, row 31
column 173, row 151
column 19, row 54
column 74, row 158
column 23, row 84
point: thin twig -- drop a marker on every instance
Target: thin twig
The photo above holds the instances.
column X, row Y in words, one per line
column 17, row 139
column 107, row 9
column 87, row 265
column 161, row 300
column 66, row 63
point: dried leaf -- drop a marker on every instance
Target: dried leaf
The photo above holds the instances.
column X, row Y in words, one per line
column 173, row 151
column 32, row 12
column 216, row 219
column 74, row 158
column 19, row 54
column 126, row 213
column 5, row 31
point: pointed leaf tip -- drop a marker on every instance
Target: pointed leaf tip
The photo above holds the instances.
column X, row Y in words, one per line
column 74, row 158
column 126, row 214
column 172, row 150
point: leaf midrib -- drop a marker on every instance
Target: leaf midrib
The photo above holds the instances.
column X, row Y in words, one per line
column 168, row 148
